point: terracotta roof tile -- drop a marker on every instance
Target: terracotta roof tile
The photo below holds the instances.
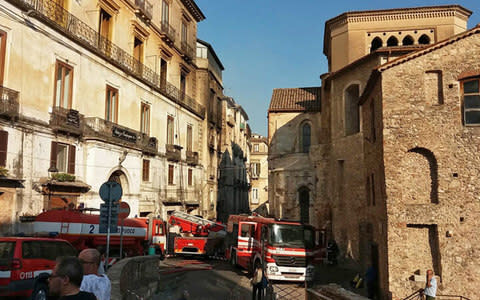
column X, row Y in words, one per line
column 295, row 99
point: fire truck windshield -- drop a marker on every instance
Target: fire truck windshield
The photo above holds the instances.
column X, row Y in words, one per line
column 294, row 236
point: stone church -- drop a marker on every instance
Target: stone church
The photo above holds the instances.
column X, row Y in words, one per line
column 384, row 155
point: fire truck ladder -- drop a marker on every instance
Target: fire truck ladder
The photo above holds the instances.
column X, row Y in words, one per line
column 192, row 219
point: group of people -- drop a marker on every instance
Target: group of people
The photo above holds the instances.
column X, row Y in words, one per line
column 80, row 278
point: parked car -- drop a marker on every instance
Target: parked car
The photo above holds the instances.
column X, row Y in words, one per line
column 25, row 263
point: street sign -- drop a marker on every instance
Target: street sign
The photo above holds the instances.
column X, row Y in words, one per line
column 110, row 191
column 103, row 228
column 124, row 210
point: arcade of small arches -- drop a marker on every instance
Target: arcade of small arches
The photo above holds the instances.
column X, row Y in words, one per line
column 398, row 39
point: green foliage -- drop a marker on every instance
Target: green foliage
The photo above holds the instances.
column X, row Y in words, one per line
column 3, row 172
column 63, row 177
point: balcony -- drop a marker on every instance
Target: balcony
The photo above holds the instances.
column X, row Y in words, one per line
column 59, row 19
column 173, row 152
column 192, row 158
column 188, row 51
column 230, row 120
column 96, row 128
column 144, row 9
column 8, row 103
column 66, row 120
column 168, row 32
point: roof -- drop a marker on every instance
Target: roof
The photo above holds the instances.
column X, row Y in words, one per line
column 210, row 49
column 295, row 99
column 194, row 10
column 370, row 15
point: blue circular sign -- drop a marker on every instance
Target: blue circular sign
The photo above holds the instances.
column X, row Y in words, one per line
column 110, row 191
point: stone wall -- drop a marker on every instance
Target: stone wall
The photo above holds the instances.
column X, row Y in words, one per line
column 134, row 278
column 431, row 171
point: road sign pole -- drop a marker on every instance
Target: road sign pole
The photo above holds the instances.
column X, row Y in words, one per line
column 121, row 240
column 108, row 225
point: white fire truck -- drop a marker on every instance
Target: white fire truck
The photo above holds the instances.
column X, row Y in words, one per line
column 287, row 250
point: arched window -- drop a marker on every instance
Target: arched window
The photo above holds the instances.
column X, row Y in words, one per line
column 424, row 40
column 407, row 41
column 352, row 110
column 392, row 41
column 305, row 138
column 376, row 43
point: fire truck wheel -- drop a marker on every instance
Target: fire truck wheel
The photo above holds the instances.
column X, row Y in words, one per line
column 40, row 292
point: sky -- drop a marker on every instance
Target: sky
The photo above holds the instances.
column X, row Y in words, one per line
column 267, row 44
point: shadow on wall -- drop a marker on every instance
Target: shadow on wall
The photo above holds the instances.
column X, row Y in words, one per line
column 233, row 186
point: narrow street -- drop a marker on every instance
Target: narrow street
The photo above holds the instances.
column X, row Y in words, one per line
column 201, row 279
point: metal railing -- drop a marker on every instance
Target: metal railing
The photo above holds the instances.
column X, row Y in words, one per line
column 168, row 30
column 173, row 152
column 145, row 7
column 115, row 133
column 418, row 295
column 60, row 19
column 67, row 120
column 187, row 50
column 192, row 157
column 9, row 105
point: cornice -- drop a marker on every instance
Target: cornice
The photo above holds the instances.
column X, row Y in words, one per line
column 192, row 7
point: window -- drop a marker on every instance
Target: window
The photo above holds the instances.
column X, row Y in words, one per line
column 105, row 24
column 392, row 41
column 371, row 190
column 170, row 174
column 305, row 138
column 247, row 230
column 424, row 40
column 165, row 12
column 471, row 101
column 189, row 138
column 3, row 49
column 255, row 170
column 145, row 118
column 190, row 177
column 63, row 85
column 146, row 170
column 376, row 43
column 170, row 130
column 255, row 147
column 183, row 84
column 184, row 32
column 3, row 148
column 138, row 49
column 352, row 110
column 163, row 73
column 111, row 104
column 62, row 158
column 254, row 196
column 407, row 41
column 373, row 135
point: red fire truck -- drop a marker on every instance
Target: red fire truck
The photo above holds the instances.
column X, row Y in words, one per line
column 194, row 235
column 82, row 231
column 286, row 249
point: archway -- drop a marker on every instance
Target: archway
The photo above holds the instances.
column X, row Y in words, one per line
column 392, row 41
column 119, row 177
column 407, row 41
column 376, row 43
column 424, row 40
column 304, row 201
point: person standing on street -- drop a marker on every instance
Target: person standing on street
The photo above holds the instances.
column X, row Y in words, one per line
column 430, row 290
column 92, row 281
column 257, row 283
column 65, row 280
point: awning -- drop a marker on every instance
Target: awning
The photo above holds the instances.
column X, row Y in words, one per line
column 55, row 186
column 192, row 203
column 11, row 182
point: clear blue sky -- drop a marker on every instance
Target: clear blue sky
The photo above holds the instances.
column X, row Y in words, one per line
column 267, row 44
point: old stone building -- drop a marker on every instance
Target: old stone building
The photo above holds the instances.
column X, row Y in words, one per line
column 104, row 90
column 395, row 169
column 293, row 123
column 259, row 174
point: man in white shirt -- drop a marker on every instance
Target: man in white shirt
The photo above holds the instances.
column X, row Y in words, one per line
column 92, row 281
column 430, row 291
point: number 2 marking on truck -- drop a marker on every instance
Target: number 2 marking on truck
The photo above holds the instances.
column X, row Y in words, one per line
column 92, row 227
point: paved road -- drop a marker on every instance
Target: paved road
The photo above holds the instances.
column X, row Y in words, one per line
column 202, row 279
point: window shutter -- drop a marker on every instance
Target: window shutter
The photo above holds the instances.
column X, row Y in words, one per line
column 258, row 169
column 71, row 159
column 53, row 158
column 3, row 148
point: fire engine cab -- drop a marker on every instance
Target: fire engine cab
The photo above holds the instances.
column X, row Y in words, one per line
column 286, row 249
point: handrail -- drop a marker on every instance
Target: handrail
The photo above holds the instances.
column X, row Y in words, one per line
column 60, row 19
column 417, row 295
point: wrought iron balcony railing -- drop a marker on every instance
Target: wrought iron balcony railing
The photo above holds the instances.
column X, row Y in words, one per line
column 168, row 31
column 66, row 120
column 9, row 106
column 144, row 9
column 173, row 152
column 187, row 50
column 192, row 158
column 117, row 134
column 57, row 17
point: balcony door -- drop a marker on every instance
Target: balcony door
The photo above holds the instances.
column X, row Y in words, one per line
column 3, row 46
column 63, row 85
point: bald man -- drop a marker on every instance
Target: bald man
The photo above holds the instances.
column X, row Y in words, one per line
column 92, row 281
column 431, row 286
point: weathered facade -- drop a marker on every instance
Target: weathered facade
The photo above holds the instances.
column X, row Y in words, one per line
column 259, row 174
column 113, row 91
column 395, row 172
